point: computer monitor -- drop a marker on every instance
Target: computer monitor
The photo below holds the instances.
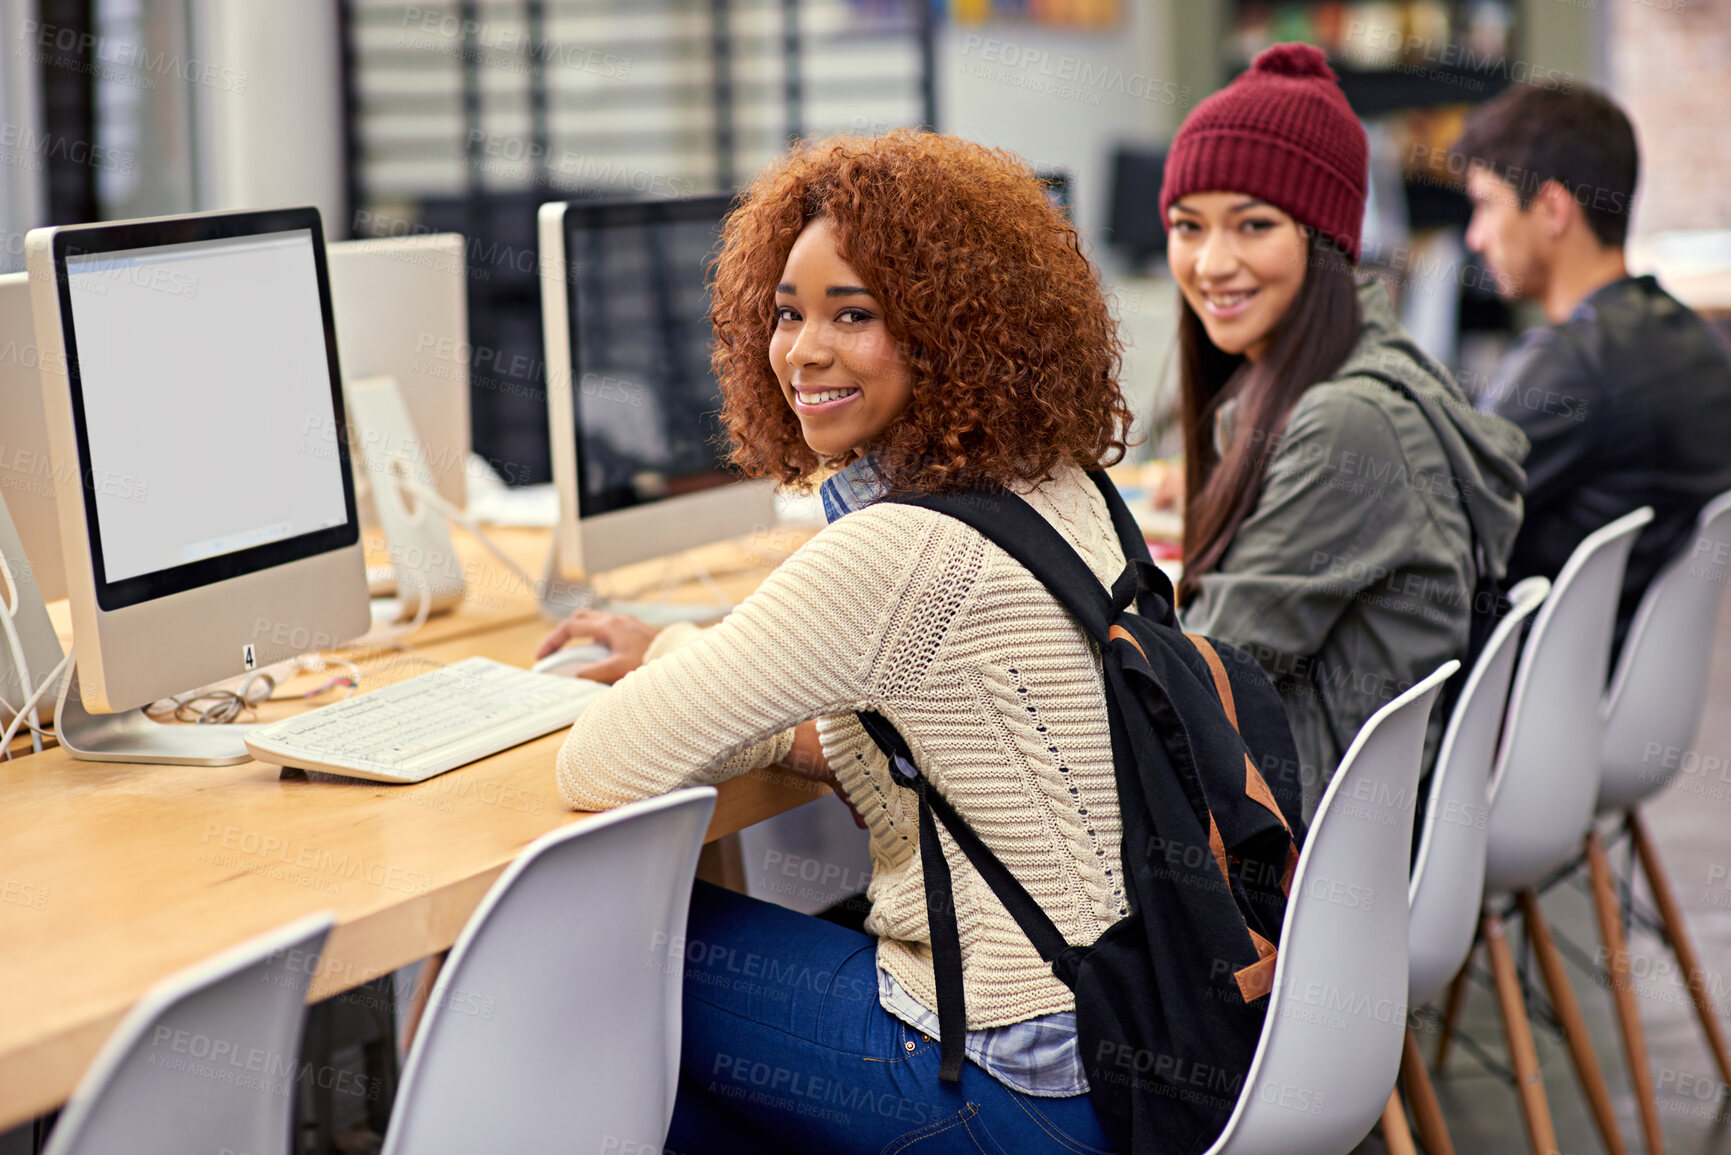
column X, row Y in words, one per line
column 639, row 451
column 26, row 469
column 207, row 509
column 1138, row 231
column 1056, row 182
column 401, row 309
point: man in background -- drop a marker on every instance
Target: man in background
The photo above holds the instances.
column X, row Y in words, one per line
column 1626, row 393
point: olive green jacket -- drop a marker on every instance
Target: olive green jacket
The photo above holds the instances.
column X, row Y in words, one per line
column 1352, row 578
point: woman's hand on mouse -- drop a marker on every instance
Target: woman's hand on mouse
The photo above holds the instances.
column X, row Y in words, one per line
column 627, row 637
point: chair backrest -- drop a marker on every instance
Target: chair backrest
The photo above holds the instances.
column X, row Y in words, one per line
column 1547, row 777
column 1337, row 1013
column 1654, row 704
column 1448, row 873
column 207, row 1061
column 554, row 1024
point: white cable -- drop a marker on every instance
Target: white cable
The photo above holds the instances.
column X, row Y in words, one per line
column 8, row 612
column 394, row 634
column 7, row 707
column 29, row 707
column 714, row 586
column 421, row 611
column 437, row 500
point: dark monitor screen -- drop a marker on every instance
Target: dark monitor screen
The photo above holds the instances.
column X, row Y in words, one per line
column 647, row 404
column 1137, row 230
column 1057, row 185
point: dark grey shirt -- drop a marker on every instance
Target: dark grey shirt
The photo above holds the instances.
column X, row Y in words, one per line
column 1627, row 403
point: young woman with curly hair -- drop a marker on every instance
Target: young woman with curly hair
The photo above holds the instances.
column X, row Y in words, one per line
column 910, row 311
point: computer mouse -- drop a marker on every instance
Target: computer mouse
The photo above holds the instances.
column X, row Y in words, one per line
column 567, row 662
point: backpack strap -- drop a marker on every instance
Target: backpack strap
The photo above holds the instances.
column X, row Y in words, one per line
column 1484, row 575
column 1489, row 601
column 1014, row 526
column 1130, row 537
column 1009, row 522
column 1048, row 940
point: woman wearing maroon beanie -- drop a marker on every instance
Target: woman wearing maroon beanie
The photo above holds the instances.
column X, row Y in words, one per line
column 1338, row 486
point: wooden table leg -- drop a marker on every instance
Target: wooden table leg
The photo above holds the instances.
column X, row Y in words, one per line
column 1623, row 990
column 418, row 1001
column 1700, row 991
column 1433, row 1132
column 722, row 862
column 1587, row 1067
column 1523, row 1056
column 1395, row 1133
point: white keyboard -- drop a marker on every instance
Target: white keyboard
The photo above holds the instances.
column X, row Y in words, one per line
column 428, row 724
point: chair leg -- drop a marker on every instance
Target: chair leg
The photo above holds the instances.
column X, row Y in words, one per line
column 1623, row 990
column 1426, row 1111
column 1523, row 1056
column 1395, row 1134
column 1678, row 934
column 1574, row 1026
column 1451, row 1011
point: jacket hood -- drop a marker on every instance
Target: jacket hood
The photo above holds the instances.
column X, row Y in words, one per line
column 1484, row 451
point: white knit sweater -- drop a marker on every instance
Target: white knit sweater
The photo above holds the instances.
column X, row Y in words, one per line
column 997, row 691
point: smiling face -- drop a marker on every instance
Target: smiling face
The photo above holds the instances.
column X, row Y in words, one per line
column 839, row 369
column 1239, row 263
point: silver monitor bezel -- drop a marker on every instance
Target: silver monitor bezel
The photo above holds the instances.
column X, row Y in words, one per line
column 378, row 338
column 207, row 620
column 26, row 466
column 86, row 240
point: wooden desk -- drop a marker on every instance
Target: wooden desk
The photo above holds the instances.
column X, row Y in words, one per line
column 114, row 876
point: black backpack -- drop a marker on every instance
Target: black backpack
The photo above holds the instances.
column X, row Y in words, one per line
column 1170, row 1000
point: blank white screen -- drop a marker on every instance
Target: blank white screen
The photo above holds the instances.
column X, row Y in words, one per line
column 207, row 398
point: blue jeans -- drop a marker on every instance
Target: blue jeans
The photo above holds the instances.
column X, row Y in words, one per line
column 786, row 1049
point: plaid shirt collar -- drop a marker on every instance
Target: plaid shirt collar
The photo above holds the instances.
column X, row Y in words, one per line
column 854, row 486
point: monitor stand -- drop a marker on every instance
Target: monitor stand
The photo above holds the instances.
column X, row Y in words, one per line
column 429, row 576
column 131, row 736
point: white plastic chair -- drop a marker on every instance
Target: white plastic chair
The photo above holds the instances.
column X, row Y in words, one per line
column 554, row 1023
column 207, row 1061
column 1449, row 869
column 1546, row 783
column 1660, row 685
column 1541, row 807
column 1449, row 872
column 1326, row 1061
column 1651, row 712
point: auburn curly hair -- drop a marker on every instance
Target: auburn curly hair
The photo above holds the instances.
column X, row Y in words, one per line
column 1011, row 351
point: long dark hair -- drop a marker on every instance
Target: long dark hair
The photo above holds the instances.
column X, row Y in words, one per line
column 1309, row 344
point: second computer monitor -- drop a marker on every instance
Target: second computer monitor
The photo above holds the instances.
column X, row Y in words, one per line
column 639, row 451
column 26, row 469
column 401, row 311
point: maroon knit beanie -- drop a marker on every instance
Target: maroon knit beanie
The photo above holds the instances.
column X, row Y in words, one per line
column 1283, row 133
